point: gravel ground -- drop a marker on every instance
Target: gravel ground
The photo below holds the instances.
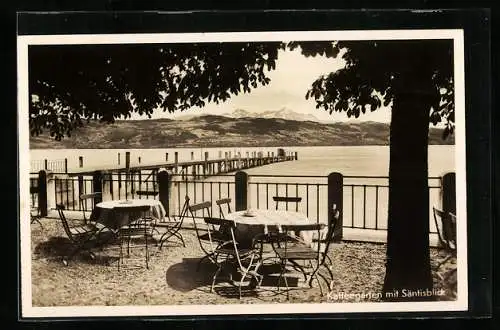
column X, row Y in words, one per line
column 172, row 278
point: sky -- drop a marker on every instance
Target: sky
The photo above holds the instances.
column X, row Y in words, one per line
column 290, row 81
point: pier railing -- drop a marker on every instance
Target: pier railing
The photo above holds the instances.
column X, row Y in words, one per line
column 54, row 165
column 362, row 200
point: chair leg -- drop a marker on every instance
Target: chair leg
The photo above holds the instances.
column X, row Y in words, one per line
column 147, row 252
column 120, row 258
column 217, row 272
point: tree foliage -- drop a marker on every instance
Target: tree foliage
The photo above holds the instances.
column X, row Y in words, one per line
column 377, row 71
column 71, row 84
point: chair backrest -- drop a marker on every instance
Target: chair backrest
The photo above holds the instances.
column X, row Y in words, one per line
column 231, row 242
column 286, row 200
column 146, row 193
column 204, row 207
column 221, row 203
column 87, row 198
column 60, row 209
column 446, row 228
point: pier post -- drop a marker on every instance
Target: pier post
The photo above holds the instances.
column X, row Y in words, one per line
column 176, row 162
column 164, row 188
column 97, row 185
column 296, row 155
column 80, row 161
column 127, row 160
column 192, row 155
column 335, row 203
column 118, row 158
column 240, row 190
column 166, row 156
column 42, row 193
column 205, row 165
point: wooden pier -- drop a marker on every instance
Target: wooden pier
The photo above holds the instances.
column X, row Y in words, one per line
column 195, row 168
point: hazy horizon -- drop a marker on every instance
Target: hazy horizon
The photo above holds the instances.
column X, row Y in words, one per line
column 290, row 81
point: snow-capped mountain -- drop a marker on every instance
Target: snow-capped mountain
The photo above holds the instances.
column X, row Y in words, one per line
column 283, row 113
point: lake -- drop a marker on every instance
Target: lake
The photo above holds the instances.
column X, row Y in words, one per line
column 349, row 160
column 362, row 206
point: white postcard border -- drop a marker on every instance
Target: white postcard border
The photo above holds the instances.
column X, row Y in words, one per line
column 461, row 304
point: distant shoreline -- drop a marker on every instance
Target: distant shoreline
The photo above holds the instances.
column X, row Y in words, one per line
column 223, row 132
column 220, row 146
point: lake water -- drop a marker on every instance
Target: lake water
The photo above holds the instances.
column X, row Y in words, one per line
column 349, row 160
column 362, row 206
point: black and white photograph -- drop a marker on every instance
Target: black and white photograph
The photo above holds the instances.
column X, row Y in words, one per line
column 201, row 173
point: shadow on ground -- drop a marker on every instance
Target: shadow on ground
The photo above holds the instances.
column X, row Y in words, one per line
column 185, row 276
column 56, row 247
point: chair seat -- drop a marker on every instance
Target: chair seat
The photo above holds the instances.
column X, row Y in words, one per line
column 216, row 236
column 229, row 251
column 299, row 252
column 167, row 224
column 83, row 230
column 136, row 231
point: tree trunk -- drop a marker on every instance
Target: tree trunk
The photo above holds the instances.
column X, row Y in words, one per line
column 408, row 273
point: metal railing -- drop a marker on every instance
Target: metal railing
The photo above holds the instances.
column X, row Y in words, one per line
column 364, row 206
column 54, row 165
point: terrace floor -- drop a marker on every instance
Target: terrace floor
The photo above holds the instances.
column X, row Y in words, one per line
column 173, row 280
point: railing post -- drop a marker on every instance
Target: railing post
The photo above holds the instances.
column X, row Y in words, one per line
column 42, row 193
column 240, row 190
column 97, row 185
column 65, row 165
column 80, row 161
column 335, row 203
column 449, row 193
column 46, row 163
column 296, row 155
column 449, row 196
column 164, row 187
column 176, row 162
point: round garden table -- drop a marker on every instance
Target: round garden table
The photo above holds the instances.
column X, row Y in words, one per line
column 251, row 223
column 105, row 213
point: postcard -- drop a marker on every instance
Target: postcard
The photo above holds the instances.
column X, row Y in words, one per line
column 175, row 174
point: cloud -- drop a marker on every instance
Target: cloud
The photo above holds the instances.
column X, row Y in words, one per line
column 290, row 81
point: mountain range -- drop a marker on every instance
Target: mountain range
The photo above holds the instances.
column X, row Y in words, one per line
column 223, row 131
column 283, row 113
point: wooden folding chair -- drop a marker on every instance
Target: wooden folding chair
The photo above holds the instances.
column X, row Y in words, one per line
column 207, row 240
column 85, row 200
column 83, row 237
column 172, row 225
column 446, row 229
column 244, row 260
column 139, row 228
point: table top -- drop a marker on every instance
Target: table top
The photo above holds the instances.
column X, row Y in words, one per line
column 129, row 203
column 269, row 217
